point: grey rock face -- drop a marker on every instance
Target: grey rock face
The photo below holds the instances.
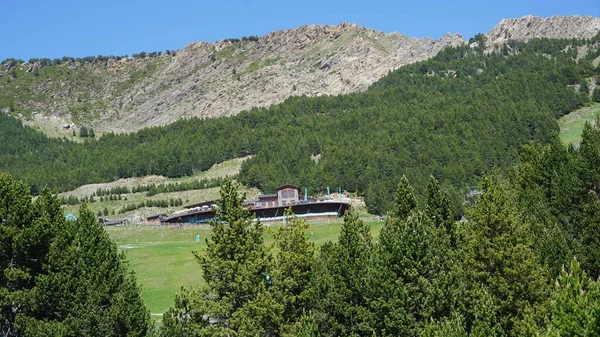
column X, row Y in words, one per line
column 529, row 27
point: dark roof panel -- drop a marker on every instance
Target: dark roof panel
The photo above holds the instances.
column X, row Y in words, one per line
column 287, row 186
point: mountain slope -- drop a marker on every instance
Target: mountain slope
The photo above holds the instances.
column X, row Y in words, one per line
column 221, row 79
column 461, row 114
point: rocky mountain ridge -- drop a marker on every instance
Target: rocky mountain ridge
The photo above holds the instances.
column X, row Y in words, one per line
column 554, row 27
column 212, row 80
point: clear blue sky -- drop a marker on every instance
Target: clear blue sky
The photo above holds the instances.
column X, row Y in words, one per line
column 56, row 28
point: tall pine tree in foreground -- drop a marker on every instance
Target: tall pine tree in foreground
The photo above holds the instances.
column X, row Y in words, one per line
column 411, row 279
column 497, row 256
column 234, row 267
column 292, row 271
column 62, row 278
column 341, row 284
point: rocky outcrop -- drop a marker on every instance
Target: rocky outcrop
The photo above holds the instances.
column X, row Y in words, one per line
column 212, row 80
column 555, row 27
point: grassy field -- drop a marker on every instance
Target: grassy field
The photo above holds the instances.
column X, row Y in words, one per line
column 571, row 125
column 162, row 257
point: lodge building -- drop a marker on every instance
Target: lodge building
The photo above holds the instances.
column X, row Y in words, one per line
column 268, row 207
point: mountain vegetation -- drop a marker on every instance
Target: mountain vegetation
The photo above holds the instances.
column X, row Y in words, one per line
column 124, row 94
column 461, row 114
column 62, row 277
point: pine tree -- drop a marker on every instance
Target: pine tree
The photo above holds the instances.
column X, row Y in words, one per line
column 292, row 272
column 547, row 186
column 485, row 322
column 596, row 94
column 412, row 276
column 439, row 209
column 497, row 256
column 87, row 289
column 234, row 267
column 453, row 327
column 340, row 282
column 26, row 231
column 587, row 229
column 575, row 304
column 405, row 201
column 62, row 278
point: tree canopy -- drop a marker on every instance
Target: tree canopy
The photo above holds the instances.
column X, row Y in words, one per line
column 59, row 277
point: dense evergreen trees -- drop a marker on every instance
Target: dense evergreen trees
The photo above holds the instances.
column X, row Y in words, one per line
column 61, row 278
column 425, row 275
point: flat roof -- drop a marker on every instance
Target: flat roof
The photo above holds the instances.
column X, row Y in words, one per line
column 264, row 196
column 200, row 204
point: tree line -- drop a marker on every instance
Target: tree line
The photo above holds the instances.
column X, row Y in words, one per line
column 44, row 61
column 116, row 192
column 171, row 202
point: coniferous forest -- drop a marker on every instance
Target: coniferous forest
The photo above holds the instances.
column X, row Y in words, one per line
column 524, row 261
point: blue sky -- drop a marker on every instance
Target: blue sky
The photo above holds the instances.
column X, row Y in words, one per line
column 56, row 28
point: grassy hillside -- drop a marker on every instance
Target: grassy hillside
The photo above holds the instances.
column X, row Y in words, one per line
column 228, row 168
column 571, row 125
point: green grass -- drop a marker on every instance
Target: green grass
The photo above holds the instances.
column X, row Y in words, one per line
column 571, row 125
column 162, row 257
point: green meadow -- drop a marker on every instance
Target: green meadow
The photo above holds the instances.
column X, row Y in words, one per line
column 571, row 125
column 162, row 258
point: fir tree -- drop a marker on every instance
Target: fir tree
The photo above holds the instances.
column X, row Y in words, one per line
column 234, row 267
column 497, row 255
column 340, row 282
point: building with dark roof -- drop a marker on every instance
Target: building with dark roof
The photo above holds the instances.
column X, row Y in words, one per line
column 268, row 207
